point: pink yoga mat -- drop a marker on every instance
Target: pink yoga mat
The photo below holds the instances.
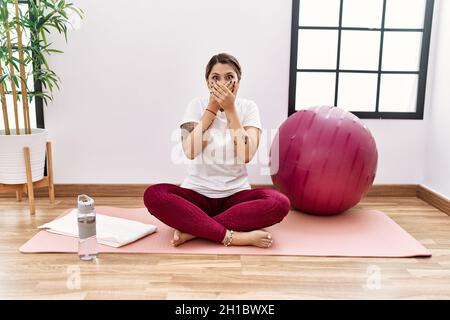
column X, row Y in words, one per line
column 355, row 233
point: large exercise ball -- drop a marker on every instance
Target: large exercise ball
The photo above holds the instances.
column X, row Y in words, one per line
column 324, row 159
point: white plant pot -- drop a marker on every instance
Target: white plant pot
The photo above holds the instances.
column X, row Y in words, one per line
column 12, row 160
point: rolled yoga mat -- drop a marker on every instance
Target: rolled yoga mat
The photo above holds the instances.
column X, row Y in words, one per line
column 354, row 233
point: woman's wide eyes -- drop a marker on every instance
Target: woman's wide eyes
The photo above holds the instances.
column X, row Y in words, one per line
column 228, row 78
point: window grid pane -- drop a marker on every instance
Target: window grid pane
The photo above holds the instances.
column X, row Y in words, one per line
column 360, row 50
column 319, row 12
column 357, row 91
column 317, row 49
column 398, row 93
column 366, row 13
column 315, row 88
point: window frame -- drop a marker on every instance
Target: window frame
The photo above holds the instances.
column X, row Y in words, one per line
column 422, row 72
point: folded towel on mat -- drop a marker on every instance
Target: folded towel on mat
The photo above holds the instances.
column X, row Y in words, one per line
column 111, row 231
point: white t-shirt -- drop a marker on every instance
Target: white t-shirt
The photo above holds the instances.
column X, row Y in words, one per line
column 215, row 173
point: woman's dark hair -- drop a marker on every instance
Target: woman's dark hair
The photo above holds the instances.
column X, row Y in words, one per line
column 224, row 58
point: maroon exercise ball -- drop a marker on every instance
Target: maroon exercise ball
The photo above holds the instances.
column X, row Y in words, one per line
column 324, row 159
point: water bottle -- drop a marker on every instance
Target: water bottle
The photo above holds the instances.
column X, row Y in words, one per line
column 87, row 232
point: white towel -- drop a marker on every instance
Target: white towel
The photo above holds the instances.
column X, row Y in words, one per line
column 111, row 231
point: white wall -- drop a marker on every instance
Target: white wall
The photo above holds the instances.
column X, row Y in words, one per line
column 437, row 153
column 129, row 72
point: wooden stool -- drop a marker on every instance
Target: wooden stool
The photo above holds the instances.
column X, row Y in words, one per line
column 29, row 186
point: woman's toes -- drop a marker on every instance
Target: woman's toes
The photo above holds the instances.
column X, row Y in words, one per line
column 267, row 242
column 176, row 238
column 180, row 238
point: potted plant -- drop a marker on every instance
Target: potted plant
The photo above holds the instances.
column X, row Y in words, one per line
column 24, row 76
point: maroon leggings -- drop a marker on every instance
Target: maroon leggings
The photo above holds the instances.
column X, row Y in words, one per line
column 191, row 212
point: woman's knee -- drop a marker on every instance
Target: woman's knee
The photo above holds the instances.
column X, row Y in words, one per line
column 156, row 193
column 280, row 204
column 277, row 203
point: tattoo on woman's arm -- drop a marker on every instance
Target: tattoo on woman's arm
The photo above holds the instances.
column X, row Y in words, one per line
column 186, row 129
column 244, row 138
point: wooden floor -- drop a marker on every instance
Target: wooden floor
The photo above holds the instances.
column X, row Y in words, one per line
column 159, row 276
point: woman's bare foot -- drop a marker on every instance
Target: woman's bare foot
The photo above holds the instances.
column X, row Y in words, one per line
column 181, row 237
column 257, row 238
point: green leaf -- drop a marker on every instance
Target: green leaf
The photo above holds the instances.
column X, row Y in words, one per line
column 54, row 50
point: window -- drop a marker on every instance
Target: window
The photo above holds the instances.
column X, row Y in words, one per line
column 36, row 107
column 369, row 57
